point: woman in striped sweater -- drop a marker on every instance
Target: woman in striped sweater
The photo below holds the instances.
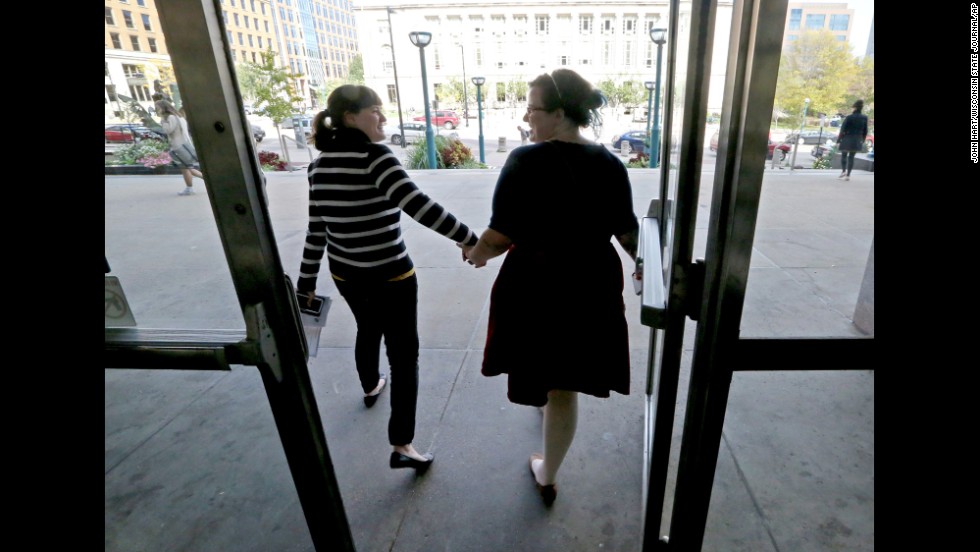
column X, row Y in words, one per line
column 358, row 190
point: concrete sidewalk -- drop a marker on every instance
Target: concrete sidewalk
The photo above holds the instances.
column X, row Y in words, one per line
column 193, row 460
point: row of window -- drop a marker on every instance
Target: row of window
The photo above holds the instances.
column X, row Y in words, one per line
column 134, row 43
column 128, row 20
column 629, row 24
column 628, row 57
column 141, row 3
column 816, row 21
column 251, row 3
column 245, row 20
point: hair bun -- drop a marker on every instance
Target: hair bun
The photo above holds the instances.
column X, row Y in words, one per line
column 595, row 100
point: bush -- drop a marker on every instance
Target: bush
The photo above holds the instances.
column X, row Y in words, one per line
column 641, row 161
column 451, row 153
column 132, row 154
column 270, row 161
column 823, row 162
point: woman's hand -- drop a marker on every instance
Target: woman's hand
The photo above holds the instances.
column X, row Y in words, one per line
column 310, row 295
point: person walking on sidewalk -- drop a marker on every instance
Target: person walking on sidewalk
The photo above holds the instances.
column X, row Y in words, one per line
column 525, row 134
column 553, row 339
column 358, row 190
column 181, row 148
column 853, row 133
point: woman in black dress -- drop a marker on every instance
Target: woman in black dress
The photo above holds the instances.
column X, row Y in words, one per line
column 853, row 133
column 557, row 317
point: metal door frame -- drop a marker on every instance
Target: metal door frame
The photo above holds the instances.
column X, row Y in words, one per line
column 712, row 291
column 274, row 340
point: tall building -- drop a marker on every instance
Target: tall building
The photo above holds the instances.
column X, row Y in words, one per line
column 315, row 39
column 870, row 50
column 815, row 16
column 505, row 42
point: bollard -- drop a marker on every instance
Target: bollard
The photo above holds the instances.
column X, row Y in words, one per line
column 502, row 143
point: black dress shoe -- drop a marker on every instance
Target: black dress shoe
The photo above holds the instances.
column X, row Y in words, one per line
column 369, row 400
column 399, row 460
column 548, row 492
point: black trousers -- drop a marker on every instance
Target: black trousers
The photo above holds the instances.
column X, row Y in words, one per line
column 389, row 310
column 847, row 161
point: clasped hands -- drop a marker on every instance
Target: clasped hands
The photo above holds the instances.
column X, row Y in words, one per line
column 467, row 250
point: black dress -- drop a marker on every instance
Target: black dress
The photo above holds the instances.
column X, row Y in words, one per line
column 557, row 317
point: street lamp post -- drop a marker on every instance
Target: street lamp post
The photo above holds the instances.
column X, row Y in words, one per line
column 422, row 39
column 398, row 93
column 799, row 137
column 466, row 98
column 649, row 85
column 659, row 37
column 478, row 81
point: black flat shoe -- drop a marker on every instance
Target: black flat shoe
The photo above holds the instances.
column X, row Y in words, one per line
column 369, row 400
column 548, row 492
column 399, row 460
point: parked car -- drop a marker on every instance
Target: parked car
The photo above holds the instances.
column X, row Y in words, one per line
column 305, row 121
column 248, row 108
column 811, row 137
column 120, row 134
column 257, row 132
column 773, row 147
column 446, row 119
column 413, row 132
column 635, row 140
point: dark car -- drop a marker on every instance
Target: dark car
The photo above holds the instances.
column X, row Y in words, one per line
column 257, row 132
column 635, row 140
column 446, row 119
column 121, row 134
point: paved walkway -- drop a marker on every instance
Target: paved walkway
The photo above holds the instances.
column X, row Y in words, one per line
column 193, row 460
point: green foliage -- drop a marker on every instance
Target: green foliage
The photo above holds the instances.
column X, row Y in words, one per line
column 274, row 92
column 328, row 87
column 631, row 93
column 516, row 90
column 863, row 88
column 451, row 153
column 815, row 66
column 610, row 90
column 823, row 162
column 248, row 80
column 641, row 161
column 355, row 71
column 130, row 154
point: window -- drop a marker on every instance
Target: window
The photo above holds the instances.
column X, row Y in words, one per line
column 153, row 44
column 520, row 25
column 629, row 25
column 237, row 24
column 435, row 58
column 146, row 22
column 649, row 60
column 241, row 42
column 141, row 3
column 110, row 91
column 562, row 60
column 132, row 71
column 607, row 25
column 253, row 58
column 259, row 38
column 815, row 20
column 266, row 24
column 250, row 44
column 541, row 24
column 585, row 24
column 794, row 19
column 135, row 42
column 128, row 19
column 234, row 57
column 141, row 93
column 386, row 66
column 839, row 22
column 628, row 54
column 584, row 62
column 246, row 23
column 840, row 38
column 108, row 17
column 606, row 52
column 479, row 57
column 501, row 92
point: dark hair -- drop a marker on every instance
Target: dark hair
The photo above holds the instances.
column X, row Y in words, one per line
column 165, row 108
column 349, row 98
column 566, row 89
column 858, row 105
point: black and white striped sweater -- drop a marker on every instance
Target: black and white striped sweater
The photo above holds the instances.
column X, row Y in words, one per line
column 357, row 193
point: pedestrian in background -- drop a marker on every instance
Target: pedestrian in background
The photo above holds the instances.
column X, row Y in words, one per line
column 537, row 297
column 358, row 190
column 853, row 133
column 525, row 134
column 181, row 148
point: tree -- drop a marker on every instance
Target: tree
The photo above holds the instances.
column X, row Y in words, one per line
column 517, row 90
column 815, row 66
column 274, row 92
column 631, row 93
column 328, row 87
column 451, row 92
column 248, row 80
column 863, row 87
column 610, row 91
column 355, row 71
